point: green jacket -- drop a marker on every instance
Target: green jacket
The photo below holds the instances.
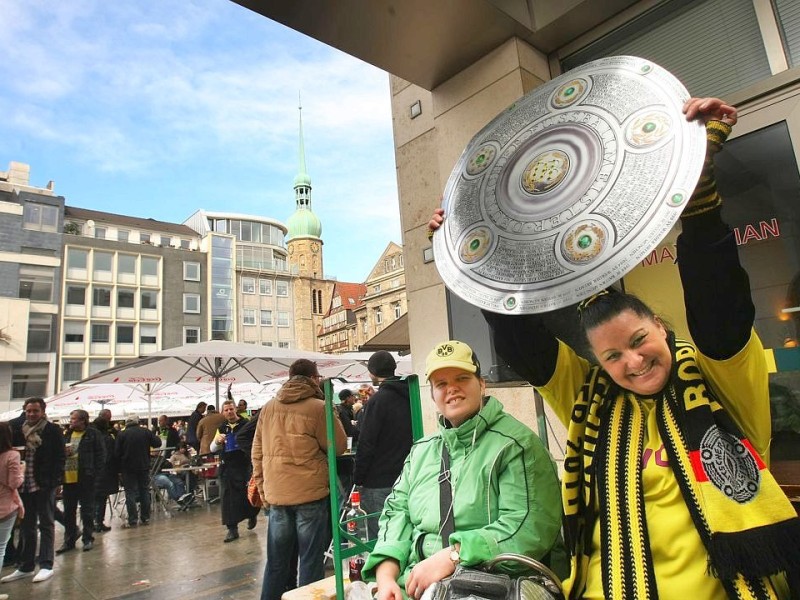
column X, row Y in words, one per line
column 505, row 490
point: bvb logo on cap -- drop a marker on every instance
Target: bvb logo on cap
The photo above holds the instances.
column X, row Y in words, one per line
column 444, row 350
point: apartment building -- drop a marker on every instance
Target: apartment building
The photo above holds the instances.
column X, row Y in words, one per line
column 131, row 287
column 30, row 273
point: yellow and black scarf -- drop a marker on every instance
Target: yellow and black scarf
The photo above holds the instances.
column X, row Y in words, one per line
column 746, row 523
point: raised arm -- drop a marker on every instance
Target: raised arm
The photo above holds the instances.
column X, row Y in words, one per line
column 719, row 307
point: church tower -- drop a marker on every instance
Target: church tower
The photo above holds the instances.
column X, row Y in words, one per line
column 312, row 294
column 303, row 238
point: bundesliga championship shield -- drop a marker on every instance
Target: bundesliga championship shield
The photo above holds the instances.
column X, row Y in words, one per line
column 569, row 188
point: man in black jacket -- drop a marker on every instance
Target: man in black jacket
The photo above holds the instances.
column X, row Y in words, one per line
column 385, row 438
column 191, row 426
column 86, row 458
column 133, row 453
column 44, row 471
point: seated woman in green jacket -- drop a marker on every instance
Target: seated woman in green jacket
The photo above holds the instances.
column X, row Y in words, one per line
column 504, row 487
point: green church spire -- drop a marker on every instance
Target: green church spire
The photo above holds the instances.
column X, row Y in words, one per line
column 303, row 223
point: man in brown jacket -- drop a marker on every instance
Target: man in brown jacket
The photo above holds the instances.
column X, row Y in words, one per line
column 207, row 428
column 290, row 467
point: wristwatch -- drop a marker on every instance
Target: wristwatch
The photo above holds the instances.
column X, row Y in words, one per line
column 455, row 556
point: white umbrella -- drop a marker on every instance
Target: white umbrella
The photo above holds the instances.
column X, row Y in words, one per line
column 217, row 362
column 128, row 399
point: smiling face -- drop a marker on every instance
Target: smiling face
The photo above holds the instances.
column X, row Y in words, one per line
column 458, row 394
column 634, row 352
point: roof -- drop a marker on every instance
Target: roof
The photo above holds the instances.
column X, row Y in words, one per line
column 394, row 337
column 133, row 222
column 352, row 294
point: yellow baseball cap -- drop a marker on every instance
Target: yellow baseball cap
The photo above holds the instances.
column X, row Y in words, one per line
column 452, row 354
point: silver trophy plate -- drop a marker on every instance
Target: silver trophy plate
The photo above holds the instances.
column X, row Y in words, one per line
column 569, row 188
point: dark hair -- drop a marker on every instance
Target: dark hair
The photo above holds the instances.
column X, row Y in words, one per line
column 303, row 366
column 201, row 406
column 606, row 305
column 229, row 402
column 5, row 437
column 35, row 400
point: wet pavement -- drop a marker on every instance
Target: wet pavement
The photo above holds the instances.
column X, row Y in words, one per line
column 175, row 557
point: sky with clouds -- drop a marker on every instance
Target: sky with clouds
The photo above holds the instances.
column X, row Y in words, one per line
column 157, row 108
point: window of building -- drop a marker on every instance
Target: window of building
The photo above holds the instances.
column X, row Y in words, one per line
column 191, row 271
column 268, row 344
column 36, row 283
column 266, row 318
column 74, row 331
column 39, row 217
column 149, row 266
column 125, row 297
column 101, row 296
column 100, row 332
column 395, row 283
column 126, row 263
column 249, row 316
column 123, row 235
column 186, row 244
column 663, row 34
column 145, row 238
column 248, row 285
column 364, row 325
column 102, row 261
column 77, row 258
column 283, row 319
column 376, row 288
column 96, row 365
column 100, row 233
column 398, row 311
column 283, row 344
column 191, row 303
column 125, row 334
column 39, row 331
column 76, row 294
column 148, row 334
column 336, row 302
column 265, row 287
column 72, row 370
column 28, row 379
column 378, row 316
column 149, row 299
column 191, row 335
column 282, row 288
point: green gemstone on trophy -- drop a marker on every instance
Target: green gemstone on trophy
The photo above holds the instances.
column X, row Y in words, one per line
column 649, row 127
column 474, row 244
column 677, row 198
column 584, row 241
column 480, row 158
column 511, row 302
column 569, row 91
column 646, row 68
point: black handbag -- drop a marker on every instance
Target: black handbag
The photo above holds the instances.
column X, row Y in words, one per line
column 481, row 584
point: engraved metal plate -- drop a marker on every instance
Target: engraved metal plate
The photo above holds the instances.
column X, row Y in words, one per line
column 569, row 188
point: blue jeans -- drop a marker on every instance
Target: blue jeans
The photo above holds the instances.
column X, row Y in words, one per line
column 372, row 501
column 6, row 527
column 304, row 527
column 173, row 484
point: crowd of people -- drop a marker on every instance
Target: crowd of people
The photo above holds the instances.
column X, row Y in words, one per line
column 705, row 519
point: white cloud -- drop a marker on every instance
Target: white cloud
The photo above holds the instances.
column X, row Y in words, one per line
column 207, row 91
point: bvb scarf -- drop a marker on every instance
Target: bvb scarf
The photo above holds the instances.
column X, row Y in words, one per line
column 744, row 520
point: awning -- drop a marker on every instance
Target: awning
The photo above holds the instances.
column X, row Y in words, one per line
column 395, row 337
